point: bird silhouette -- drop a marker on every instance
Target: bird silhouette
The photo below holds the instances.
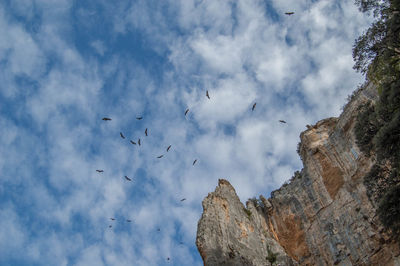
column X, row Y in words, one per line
column 183, row 199
column 127, row 178
column 129, row 221
column 138, row 142
column 112, row 219
column 169, row 147
column 208, row 96
column 109, row 226
column 282, row 121
column 194, row 161
column 139, row 117
column 254, row 107
column 100, row 171
column 106, row 119
column 145, row 132
column 160, row 156
column 289, row 13
column 122, row 135
column 134, row 143
column 187, row 110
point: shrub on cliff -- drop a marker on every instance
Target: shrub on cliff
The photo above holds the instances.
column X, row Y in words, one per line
column 366, row 128
column 389, row 210
column 248, row 212
column 388, row 137
column 271, row 256
column 371, row 181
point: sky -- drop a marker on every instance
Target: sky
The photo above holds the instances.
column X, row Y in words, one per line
column 67, row 64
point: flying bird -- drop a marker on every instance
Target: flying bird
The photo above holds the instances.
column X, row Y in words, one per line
column 187, row 110
column 160, row 156
column 122, row 135
column 183, row 199
column 109, row 226
column 289, row 13
column 169, row 147
column 194, row 161
column 112, row 219
column 100, row 171
column 138, row 142
column 208, row 96
column 106, row 119
column 134, row 143
column 168, row 258
column 254, row 107
column 145, row 132
column 129, row 221
column 139, row 117
column 282, row 121
column 127, row 178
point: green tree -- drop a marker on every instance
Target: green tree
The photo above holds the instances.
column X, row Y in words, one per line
column 377, row 54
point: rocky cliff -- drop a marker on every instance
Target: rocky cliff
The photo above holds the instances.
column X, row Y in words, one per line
column 322, row 217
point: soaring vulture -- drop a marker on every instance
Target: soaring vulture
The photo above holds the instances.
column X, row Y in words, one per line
column 183, row 199
column 138, row 142
column 139, row 117
column 194, row 161
column 169, row 147
column 134, row 143
column 208, row 96
column 289, row 13
column 145, row 132
column 106, row 119
column 187, row 110
column 100, row 171
column 160, row 156
column 282, row 121
column 122, row 135
column 254, row 107
column 127, row 178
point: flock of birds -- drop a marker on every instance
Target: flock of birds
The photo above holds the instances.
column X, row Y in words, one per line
column 138, row 142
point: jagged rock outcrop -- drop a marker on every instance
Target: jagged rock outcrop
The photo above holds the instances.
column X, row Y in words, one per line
column 228, row 234
column 322, row 217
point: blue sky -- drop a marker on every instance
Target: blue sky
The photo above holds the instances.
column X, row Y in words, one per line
column 67, row 64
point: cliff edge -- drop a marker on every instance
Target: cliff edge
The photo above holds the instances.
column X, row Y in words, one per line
column 322, row 217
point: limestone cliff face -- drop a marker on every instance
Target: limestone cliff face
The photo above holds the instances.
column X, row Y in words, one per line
column 229, row 235
column 322, row 217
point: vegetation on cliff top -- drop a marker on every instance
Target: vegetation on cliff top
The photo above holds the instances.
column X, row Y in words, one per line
column 377, row 54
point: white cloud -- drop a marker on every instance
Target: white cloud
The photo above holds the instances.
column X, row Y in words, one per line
column 99, row 47
column 19, row 54
column 90, row 256
column 13, row 238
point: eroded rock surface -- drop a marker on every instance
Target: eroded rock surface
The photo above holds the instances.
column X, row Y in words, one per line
column 230, row 235
column 322, row 217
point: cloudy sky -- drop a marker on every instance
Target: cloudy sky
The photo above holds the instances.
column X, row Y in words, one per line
column 67, row 64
